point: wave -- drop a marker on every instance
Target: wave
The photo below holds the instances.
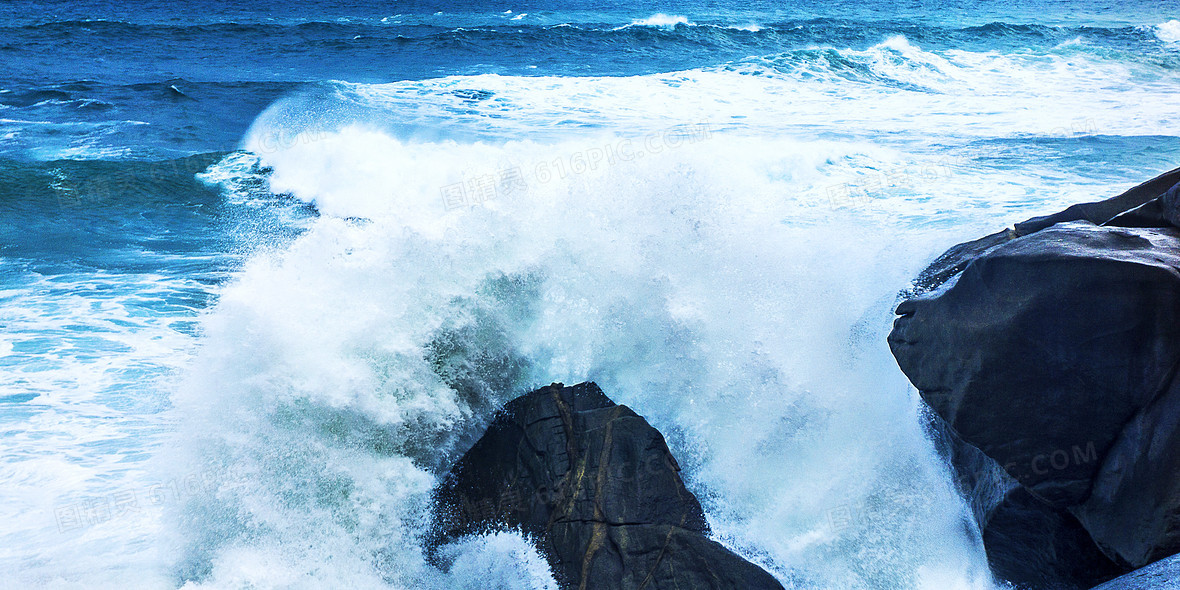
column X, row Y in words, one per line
column 144, row 120
column 369, row 351
column 368, row 52
column 662, row 20
column 157, row 217
column 672, row 21
column 914, row 93
column 718, row 245
column 465, row 252
column 1168, row 32
column 83, row 118
column 817, row 29
column 105, row 270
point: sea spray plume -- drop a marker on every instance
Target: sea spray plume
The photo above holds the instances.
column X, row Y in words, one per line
column 330, row 435
column 333, row 367
column 729, row 289
column 650, row 275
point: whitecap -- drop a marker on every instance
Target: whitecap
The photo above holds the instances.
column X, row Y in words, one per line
column 661, row 20
column 1168, row 31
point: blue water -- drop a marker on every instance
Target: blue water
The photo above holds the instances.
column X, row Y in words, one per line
column 264, row 272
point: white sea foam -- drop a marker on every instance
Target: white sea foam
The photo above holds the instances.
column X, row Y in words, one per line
column 671, row 21
column 1168, row 31
column 52, row 140
column 661, row 20
column 750, row 27
column 728, row 284
column 91, row 364
column 734, row 286
column 498, row 560
column 892, row 89
column 713, row 284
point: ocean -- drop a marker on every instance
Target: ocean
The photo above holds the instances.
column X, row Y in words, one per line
column 267, row 271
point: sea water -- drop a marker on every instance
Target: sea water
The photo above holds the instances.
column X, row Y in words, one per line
column 266, row 272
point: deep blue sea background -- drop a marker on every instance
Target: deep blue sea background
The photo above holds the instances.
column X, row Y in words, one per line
column 265, row 270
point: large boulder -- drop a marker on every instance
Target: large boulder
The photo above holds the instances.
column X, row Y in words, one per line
column 1052, row 347
column 596, row 486
column 1042, row 350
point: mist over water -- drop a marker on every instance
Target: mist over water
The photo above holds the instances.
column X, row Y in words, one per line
column 250, row 370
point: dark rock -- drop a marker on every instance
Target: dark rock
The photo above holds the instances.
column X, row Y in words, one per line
column 1034, row 545
column 1052, row 348
column 595, row 485
column 1170, row 205
column 1028, row 542
column 1102, row 212
column 1042, row 350
column 1161, row 575
column 954, row 260
column 1134, row 506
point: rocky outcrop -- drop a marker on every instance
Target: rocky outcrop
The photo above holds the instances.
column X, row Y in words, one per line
column 1161, row 575
column 1052, row 347
column 596, row 486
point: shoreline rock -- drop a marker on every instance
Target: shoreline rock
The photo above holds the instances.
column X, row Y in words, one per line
column 598, row 490
column 1052, row 348
column 1161, row 575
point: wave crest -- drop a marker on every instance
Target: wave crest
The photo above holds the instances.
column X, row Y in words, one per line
column 662, row 20
column 1169, row 31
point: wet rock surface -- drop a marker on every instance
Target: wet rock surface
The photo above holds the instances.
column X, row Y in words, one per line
column 597, row 488
column 1161, row 575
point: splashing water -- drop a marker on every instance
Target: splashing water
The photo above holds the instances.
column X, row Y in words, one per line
column 718, row 247
column 340, row 376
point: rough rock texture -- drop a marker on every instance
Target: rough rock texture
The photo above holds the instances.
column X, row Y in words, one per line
column 596, row 486
column 1052, row 348
column 1161, row 575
